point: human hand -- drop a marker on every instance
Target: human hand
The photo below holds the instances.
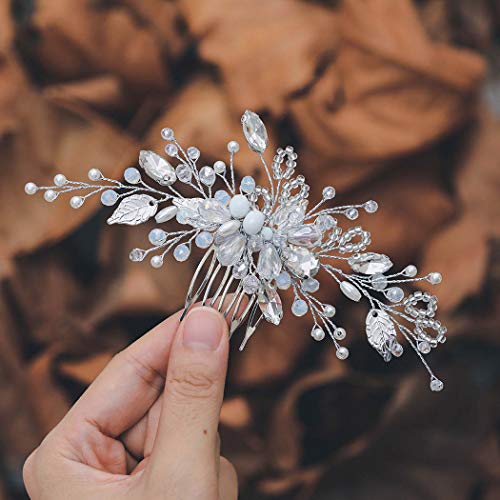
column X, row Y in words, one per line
column 147, row 427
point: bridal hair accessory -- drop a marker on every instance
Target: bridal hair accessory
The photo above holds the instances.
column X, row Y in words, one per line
column 259, row 240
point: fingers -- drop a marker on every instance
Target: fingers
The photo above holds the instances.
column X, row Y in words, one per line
column 187, row 433
column 228, row 480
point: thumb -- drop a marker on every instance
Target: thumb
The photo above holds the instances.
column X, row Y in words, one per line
column 187, row 441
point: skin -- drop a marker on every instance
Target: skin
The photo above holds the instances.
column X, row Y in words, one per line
column 147, row 427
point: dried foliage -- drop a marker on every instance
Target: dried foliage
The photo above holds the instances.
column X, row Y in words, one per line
column 393, row 100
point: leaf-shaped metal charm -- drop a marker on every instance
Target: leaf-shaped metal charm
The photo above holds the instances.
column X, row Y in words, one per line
column 134, row 209
column 379, row 329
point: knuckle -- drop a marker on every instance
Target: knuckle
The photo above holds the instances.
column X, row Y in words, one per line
column 192, row 382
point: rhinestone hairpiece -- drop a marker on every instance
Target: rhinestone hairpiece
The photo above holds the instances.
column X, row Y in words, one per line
column 259, row 240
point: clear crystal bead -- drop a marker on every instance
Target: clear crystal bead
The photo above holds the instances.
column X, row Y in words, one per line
column 184, row 172
column 395, row 294
column 305, row 236
column 303, row 262
column 231, row 249
column 240, row 270
column 171, row 149
column 269, row 265
column 207, row 176
column 137, row 255
column 250, row 284
column 371, row 206
column 167, row 134
column 255, row 131
column 370, row 263
column 379, row 281
column 255, row 243
column 213, row 211
column 157, row 168
column 270, row 304
column 193, row 153
column 328, row 193
column 247, row 184
column 325, row 222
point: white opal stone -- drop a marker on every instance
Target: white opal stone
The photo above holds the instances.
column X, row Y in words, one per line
column 267, row 233
column 166, row 214
column 350, row 291
column 239, row 206
column 253, row 222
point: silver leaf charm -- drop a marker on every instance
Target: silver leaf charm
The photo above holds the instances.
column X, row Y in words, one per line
column 134, row 209
column 381, row 332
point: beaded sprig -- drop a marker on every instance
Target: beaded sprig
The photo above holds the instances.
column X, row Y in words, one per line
column 262, row 239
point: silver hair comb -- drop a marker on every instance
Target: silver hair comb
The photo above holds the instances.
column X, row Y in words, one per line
column 259, row 240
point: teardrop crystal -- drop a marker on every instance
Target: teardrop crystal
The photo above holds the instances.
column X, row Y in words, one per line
column 270, row 304
column 157, row 168
column 231, row 249
column 269, row 265
column 255, row 131
column 370, row 263
column 305, row 236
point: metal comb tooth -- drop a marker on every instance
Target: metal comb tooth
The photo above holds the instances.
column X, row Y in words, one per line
column 252, row 324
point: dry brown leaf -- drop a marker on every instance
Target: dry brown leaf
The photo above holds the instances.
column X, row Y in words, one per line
column 266, row 51
column 86, row 370
column 53, row 138
column 236, row 413
column 390, row 91
column 460, row 254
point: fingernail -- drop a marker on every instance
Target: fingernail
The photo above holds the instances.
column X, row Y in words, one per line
column 202, row 329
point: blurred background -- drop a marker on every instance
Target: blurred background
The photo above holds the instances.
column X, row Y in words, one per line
column 395, row 100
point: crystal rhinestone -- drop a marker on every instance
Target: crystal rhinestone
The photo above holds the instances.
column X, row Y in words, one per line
column 229, row 227
column 60, row 180
column 247, row 184
column 434, row 278
column 184, row 173
column 253, row 222
column 220, row 167
column 109, row 197
column 233, row 147
column 231, row 250
column 269, row 265
column 94, row 174
column 250, row 284
column 304, row 236
column 342, row 353
column 204, row 239
column 289, row 215
column 270, row 304
column 424, row 347
column 436, row 385
column 255, row 243
column 239, row 206
column 350, row 291
column 166, row 214
column 395, row 294
column 157, row 261
column 171, row 149
column 50, row 195
column 370, row 263
column 222, row 196
column 207, row 176
column 193, row 153
column 76, row 201
column 325, row 222
column 310, row 285
column 30, row 188
column 157, row 168
column 157, row 237
column 317, row 333
column 352, row 214
column 303, row 262
column 240, row 270
column 339, row 333
column 329, row 310
column 213, row 211
column 379, row 282
column 181, row 252
column 137, row 255
column 167, row 134
column 328, row 193
column 410, row 271
column 267, row 233
column 283, row 281
column 371, row 206
column 299, row 307
column 396, row 349
column 132, row 175
column 255, row 131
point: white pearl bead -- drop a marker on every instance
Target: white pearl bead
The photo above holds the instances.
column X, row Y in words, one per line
column 156, row 261
column 239, row 206
column 339, row 333
column 342, row 353
column 60, row 180
column 94, row 174
column 410, row 271
column 220, row 167
column 317, row 333
column 329, row 311
column 434, row 278
column 76, row 201
column 50, row 195
column 233, row 147
column 30, row 188
column 253, row 222
column 436, row 385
